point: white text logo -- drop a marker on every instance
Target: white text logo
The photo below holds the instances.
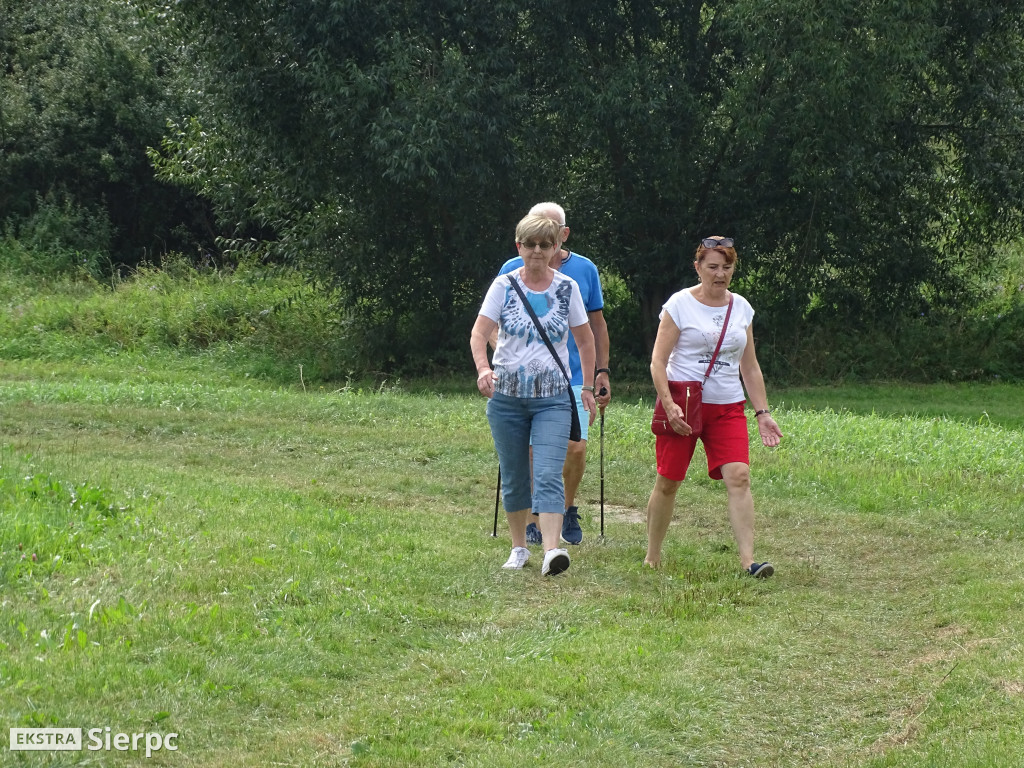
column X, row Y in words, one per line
column 46, row 739
column 64, row 739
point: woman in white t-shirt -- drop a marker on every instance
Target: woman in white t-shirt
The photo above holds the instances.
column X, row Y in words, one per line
column 528, row 393
column 691, row 324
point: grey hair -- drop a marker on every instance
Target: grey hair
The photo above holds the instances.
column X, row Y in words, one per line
column 551, row 210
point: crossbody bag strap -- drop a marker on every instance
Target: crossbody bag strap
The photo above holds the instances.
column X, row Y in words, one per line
column 540, row 328
column 721, row 336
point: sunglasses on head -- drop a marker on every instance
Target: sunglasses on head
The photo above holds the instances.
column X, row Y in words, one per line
column 720, row 242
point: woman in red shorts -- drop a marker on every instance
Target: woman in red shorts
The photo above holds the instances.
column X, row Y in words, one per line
column 691, row 324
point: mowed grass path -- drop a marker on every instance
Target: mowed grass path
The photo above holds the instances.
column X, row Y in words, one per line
column 308, row 578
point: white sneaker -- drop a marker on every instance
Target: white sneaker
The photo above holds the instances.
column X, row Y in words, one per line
column 517, row 559
column 555, row 561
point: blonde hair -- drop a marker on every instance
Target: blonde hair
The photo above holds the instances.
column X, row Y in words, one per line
column 538, row 227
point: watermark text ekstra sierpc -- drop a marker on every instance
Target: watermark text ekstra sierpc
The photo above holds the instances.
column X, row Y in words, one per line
column 96, row 739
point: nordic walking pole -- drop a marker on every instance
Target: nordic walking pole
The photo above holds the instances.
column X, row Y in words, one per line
column 602, row 392
column 497, row 498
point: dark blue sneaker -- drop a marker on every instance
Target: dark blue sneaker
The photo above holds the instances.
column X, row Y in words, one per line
column 533, row 534
column 571, row 531
column 761, row 570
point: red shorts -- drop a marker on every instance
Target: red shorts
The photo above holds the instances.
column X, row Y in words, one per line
column 725, row 439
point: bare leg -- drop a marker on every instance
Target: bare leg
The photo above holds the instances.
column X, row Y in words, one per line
column 550, row 529
column 659, row 515
column 517, row 526
column 572, row 470
column 741, row 509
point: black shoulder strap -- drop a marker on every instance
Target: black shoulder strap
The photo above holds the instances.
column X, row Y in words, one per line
column 540, row 328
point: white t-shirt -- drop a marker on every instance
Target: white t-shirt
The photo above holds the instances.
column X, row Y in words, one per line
column 699, row 328
column 521, row 361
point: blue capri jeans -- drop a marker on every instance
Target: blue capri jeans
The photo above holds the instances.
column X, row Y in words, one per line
column 516, row 422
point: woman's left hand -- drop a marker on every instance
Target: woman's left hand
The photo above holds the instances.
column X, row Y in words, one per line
column 771, row 435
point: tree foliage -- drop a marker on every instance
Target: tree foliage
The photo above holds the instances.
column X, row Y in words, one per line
column 375, row 143
column 857, row 151
column 861, row 153
column 878, row 158
column 84, row 89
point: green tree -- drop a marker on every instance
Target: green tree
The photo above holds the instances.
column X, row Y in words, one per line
column 860, row 152
column 376, row 143
column 871, row 143
column 84, row 89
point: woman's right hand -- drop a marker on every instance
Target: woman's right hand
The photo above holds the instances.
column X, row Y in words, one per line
column 675, row 419
column 485, row 383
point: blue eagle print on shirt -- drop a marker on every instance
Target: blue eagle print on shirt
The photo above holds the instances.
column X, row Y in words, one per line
column 516, row 321
column 538, row 379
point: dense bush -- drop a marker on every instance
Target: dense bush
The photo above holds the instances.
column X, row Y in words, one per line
column 983, row 343
column 60, row 237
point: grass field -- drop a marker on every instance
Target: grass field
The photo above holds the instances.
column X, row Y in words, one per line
column 289, row 576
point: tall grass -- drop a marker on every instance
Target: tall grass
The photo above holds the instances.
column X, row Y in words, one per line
column 245, row 321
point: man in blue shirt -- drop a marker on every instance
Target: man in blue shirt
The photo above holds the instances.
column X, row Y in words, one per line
column 584, row 272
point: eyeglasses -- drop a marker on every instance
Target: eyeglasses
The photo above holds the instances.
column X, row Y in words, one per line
column 545, row 246
column 719, row 242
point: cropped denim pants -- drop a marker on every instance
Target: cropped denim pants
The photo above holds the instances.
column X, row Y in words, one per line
column 516, row 422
